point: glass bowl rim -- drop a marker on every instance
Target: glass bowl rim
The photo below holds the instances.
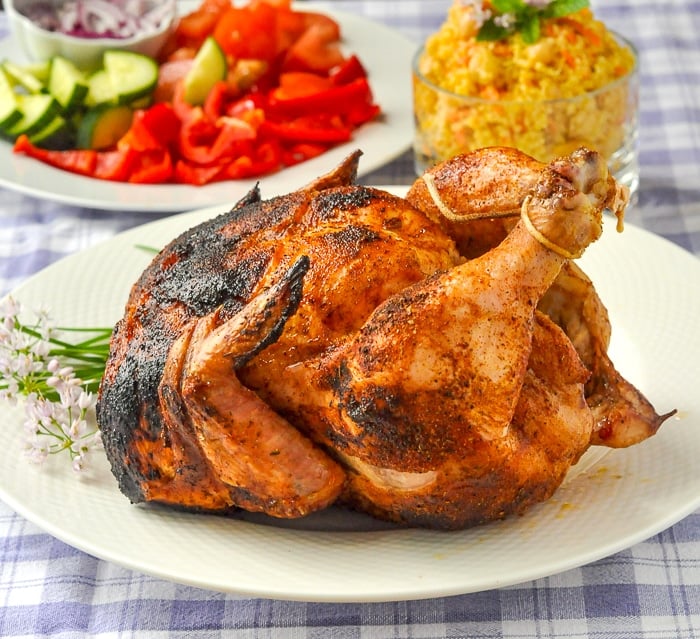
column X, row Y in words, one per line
column 475, row 100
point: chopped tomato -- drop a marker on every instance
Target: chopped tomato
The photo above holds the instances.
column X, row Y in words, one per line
column 315, row 50
column 290, row 25
column 327, row 28
column 194, row 27
column 247, row 32
column 277, row 4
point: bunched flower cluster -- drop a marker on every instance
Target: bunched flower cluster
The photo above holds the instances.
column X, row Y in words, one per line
column 498, row 19
column 56, row 380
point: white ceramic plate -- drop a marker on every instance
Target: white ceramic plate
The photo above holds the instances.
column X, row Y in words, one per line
column 611, row 501
column 386, row 55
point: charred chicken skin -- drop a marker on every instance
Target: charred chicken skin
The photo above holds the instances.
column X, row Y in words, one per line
column 435, row 360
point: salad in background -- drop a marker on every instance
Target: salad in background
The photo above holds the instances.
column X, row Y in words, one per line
column 235, row 92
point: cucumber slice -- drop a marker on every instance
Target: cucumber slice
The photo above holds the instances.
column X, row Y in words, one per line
column 19, row 75
column 38, row 109
column 40, row 70
column 10, row 113
column 132, row 75
column 101, row 127
column 57, row 135
column 67, row 84
column 208, row 67
column 100, row 89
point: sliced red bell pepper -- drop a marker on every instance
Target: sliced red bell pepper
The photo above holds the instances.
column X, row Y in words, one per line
column 308, row 129
column 154, row 166
column 301, row 152
column 144, row 135
column 266, row 158
column 294, row 84
column 197, row 129
column 196, row 174
column 350, row 70
column 250, row 109
column 116, row 165
column 182, row 108
column 81, row 161
column 216, row 100
column 204, row 142
column 240, row 168
column 360, row 114
column 338, row 99
column 161, row 122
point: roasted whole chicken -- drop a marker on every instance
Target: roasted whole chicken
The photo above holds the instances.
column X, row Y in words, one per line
column 436, row 360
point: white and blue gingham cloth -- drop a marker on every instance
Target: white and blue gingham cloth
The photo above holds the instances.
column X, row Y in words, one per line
column 651, row 591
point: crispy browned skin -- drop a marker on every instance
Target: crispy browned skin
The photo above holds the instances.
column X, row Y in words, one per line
column 483, row 190
column 333, row 345
column 504, row 178
column 450, row 464
column 156, row 418
column 213, row 270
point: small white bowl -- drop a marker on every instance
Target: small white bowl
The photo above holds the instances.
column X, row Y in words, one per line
column 41, row 44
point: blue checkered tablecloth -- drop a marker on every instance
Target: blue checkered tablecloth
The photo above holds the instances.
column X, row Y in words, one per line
column 651, row 590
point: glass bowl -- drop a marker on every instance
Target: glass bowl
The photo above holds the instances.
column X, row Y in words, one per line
column 41, row 44
column 605, row 120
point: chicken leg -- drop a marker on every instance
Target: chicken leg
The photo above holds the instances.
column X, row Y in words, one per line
column 498, row 181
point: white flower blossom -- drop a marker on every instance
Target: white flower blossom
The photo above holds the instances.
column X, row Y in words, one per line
column 479, row 14
column 59, row 408
column 505, row 20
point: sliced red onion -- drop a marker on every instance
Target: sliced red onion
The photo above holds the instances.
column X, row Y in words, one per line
column 101, row 18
